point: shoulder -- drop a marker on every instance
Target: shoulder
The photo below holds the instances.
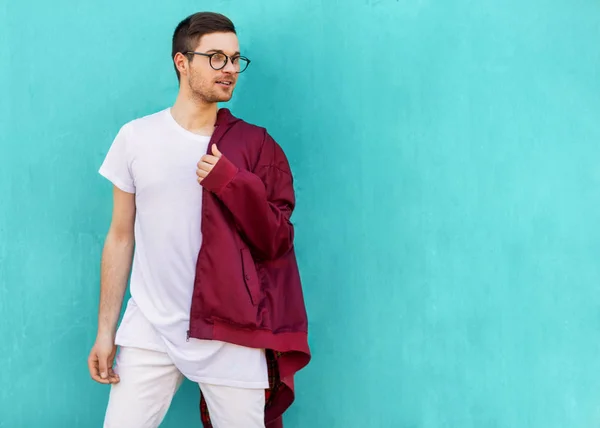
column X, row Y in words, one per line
column 250, row 130
column 133, row 132
column 255, row 132
column 269, row 151
column 145, row 123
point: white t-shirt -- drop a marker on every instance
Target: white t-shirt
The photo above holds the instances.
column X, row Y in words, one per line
column 155, row 158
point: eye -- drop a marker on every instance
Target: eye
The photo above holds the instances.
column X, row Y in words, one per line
column 219, row 57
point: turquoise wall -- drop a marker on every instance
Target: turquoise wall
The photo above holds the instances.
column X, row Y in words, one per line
column 446, row 160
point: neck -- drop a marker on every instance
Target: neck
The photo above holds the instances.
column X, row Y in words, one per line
column 196, row 116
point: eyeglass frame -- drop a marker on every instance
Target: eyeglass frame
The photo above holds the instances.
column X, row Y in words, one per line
column 227, row 59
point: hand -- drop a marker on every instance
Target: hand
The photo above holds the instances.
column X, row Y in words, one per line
column 207, row 163
column 101, row 359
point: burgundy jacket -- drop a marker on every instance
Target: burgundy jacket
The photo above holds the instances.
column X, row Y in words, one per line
column 247, row 289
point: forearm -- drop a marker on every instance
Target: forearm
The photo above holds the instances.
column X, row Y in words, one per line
column 114, row 273
column 261, row 214
column 263, row 223
column 261, row 201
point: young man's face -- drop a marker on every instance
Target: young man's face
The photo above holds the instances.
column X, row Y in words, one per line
column 205, row 82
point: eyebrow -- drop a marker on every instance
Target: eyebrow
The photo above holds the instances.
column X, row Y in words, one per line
column 220, row 51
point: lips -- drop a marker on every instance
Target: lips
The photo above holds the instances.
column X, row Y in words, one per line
column 225, row 82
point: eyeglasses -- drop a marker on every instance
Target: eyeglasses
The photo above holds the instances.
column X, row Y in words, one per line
column 218, row 61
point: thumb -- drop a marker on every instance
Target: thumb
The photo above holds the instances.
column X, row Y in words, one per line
column 215, row 151
column 103, row 366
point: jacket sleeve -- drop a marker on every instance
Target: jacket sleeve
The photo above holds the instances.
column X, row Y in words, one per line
column 261, row 201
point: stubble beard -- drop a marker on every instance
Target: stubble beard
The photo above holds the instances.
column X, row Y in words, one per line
column 204, row 95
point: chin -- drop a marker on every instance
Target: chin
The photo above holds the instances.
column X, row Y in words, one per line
column 220, row 99
column 224, row 98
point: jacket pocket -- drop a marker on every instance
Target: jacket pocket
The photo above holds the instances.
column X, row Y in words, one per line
column 250, row 276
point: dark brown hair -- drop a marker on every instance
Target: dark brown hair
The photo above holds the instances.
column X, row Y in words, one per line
column 191, row 29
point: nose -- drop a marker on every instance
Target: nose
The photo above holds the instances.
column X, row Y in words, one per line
column 229, row 67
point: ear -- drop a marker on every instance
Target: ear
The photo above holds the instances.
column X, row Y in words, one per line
column 181, row 63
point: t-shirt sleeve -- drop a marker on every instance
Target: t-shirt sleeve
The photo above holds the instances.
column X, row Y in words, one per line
column 117, row 163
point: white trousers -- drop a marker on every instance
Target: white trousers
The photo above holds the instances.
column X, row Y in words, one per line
column 148, row 382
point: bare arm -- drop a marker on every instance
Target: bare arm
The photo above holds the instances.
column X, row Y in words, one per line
column 115, row 269
column 116, row 262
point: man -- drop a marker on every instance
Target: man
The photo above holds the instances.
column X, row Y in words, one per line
column 215, row 292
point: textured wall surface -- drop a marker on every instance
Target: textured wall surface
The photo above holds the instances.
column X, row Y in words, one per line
column 446, row 159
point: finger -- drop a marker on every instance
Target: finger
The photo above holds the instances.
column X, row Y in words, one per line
column 215, row 151
column 103, row 366
column 209, row 159
column 201, row 173
column 91, row 364
column 93, row 368
column 113, row 377
column 205, row 166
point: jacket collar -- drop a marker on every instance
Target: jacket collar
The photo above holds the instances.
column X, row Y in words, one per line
column 224, row 117
column 224, row 122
